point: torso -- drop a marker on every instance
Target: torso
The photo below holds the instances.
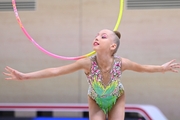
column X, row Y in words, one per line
column 105, row 89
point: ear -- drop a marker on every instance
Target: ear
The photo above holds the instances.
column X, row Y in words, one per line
column 113, row 46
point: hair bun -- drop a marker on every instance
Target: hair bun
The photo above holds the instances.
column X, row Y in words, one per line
column 118, row 34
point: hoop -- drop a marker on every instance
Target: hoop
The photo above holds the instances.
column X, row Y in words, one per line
column 52, row 54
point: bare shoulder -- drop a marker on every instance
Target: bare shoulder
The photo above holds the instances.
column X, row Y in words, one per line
column 131, row 65
column 125, row 63
column 85, row 64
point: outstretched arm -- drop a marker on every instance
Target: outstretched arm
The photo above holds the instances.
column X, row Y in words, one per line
column 169, row 66
column 13, row 74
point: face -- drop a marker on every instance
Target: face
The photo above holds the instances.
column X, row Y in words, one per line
column 104, row 41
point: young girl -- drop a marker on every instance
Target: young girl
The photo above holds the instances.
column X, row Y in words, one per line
column 103, row 71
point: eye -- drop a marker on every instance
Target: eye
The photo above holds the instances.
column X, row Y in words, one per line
column 104, row 37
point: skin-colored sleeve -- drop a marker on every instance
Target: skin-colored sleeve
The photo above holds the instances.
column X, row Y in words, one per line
column 51, row 72
column 130, row 65
column 170, row 66
column 83, row 64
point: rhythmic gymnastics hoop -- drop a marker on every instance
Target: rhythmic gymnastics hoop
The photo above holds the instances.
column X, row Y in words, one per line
column 52, row 54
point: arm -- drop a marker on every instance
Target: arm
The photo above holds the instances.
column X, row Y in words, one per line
column 45, row 73
column 169, row 66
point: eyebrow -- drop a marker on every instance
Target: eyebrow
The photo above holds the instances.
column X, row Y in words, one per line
column 104, row 34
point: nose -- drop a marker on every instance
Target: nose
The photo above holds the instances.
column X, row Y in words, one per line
column 97, row 38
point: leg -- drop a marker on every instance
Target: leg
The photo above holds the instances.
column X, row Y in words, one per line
column 95, row 113
column 118, row 110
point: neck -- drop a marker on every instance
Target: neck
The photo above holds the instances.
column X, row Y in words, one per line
column 104, row 61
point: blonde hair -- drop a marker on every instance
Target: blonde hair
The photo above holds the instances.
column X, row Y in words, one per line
column 117, row 40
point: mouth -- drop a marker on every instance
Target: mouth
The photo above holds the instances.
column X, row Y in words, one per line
column 95, row 43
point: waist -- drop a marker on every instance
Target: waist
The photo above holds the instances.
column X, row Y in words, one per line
column 108, row 91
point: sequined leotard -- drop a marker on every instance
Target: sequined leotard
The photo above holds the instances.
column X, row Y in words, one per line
column 105, row 96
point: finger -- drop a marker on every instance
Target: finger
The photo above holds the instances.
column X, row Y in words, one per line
column 7, row 74
column 8, row 78
column 9, row 68
column 173, row 70
column 178, row 64
column 175, row 65
column 172, row 61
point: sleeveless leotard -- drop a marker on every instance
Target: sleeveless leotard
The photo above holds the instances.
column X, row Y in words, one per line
column 105, row 96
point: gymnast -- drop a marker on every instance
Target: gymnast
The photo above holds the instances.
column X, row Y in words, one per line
column 106, row 95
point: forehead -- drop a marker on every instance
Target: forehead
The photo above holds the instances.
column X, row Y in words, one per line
column 106, row 31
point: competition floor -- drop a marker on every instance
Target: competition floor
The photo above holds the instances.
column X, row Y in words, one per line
column 43, row 118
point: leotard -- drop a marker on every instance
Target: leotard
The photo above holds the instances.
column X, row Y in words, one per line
column 105, row 96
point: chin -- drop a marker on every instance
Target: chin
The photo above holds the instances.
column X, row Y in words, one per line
column 95, row 48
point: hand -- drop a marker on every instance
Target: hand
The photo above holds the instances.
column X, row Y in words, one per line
column 171, row 66
column 13, row 74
